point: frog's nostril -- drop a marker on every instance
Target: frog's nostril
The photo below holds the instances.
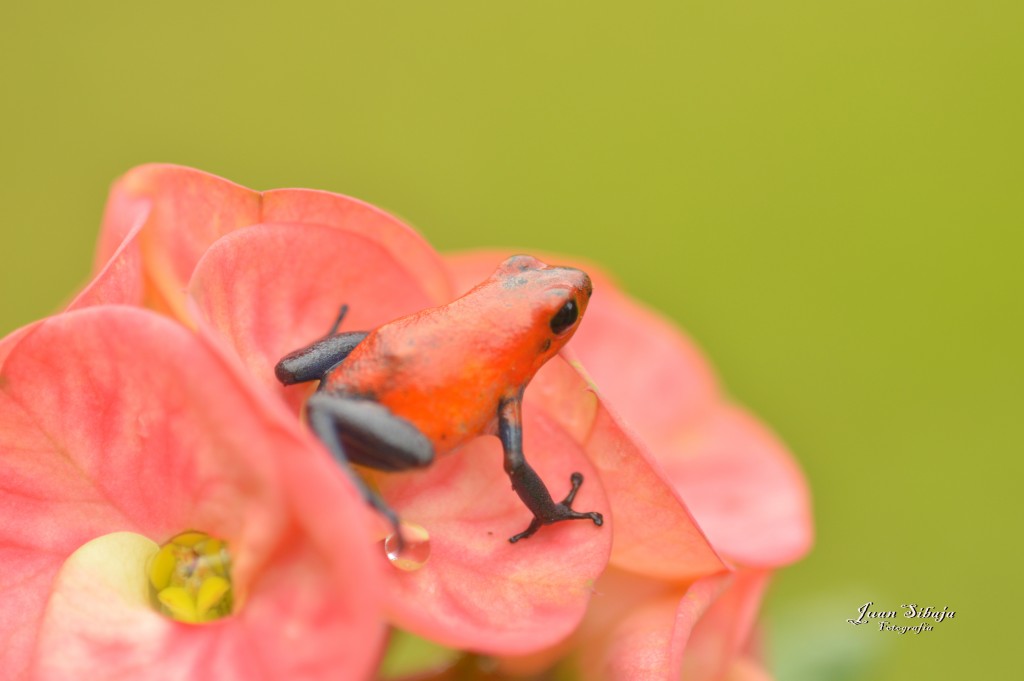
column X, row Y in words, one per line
column 521, row 263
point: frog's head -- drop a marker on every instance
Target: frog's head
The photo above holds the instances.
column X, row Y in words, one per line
column 545, row 303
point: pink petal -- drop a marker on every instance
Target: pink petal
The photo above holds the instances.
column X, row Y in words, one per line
column 183, row 211
column 648, row 629
column 744, row 669
column 11, row 340
column 89, row 621
column 187, row 211
column 722, row 633
column 561, row 391
column 743, row 487
column 98, row 590
column 653, row 374
column 119, row 279
column 469, row 268
column 402, row 242
column 647, row 641
column 478, row 591
column 273, row 288
column 114, row 419
column 655, row 533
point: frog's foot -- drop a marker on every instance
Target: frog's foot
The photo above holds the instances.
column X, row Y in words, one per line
column 559, row 512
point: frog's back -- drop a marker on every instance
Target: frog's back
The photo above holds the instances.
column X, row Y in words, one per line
column 431, row 371
column 447, row 369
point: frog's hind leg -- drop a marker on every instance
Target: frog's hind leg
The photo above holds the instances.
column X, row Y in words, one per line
column 367, row 433
column 371, row 434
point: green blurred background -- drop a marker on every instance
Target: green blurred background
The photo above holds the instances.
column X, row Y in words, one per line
column 827, row 195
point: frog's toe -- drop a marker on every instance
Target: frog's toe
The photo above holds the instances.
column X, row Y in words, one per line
column 534, row 526
column 576, row 479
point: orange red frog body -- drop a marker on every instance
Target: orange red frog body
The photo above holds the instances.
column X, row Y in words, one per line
column 395, row 397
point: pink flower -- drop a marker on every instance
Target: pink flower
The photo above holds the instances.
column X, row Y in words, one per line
column 257, row 275
column 120, row 429
column 267, row 272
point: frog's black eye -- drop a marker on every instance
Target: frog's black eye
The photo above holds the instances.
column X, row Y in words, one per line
column 565, row 317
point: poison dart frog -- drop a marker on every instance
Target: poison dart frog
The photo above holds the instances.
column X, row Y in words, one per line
column 394, row 398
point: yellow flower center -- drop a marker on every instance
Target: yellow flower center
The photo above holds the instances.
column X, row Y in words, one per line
column 190, row 578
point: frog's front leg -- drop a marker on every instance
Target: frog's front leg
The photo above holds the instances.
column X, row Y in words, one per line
column 525, row 481
column 314, row 361
column 367, row 433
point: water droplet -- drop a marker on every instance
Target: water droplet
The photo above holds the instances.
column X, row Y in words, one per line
column 416, row 550
column 190, row 578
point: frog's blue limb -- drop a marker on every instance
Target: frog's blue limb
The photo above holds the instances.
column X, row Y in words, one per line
column 314, row 361
column 323, row 424
column 372, row 436
column 525, row 481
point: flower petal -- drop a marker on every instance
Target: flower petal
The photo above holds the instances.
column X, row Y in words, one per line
column 658, row 630
column 744, row 669
column 115, row 419
column 654, row 532
column 724, row 630
column 743, row 487
column 478, row 591
column 98, row 590
column 182, row 211
column 469, row 268
column 653, row 374
column 119, row 276
column 402, row 242
column 273, row 288
column 187, row 211
column 11, row 340
column 647, row 640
